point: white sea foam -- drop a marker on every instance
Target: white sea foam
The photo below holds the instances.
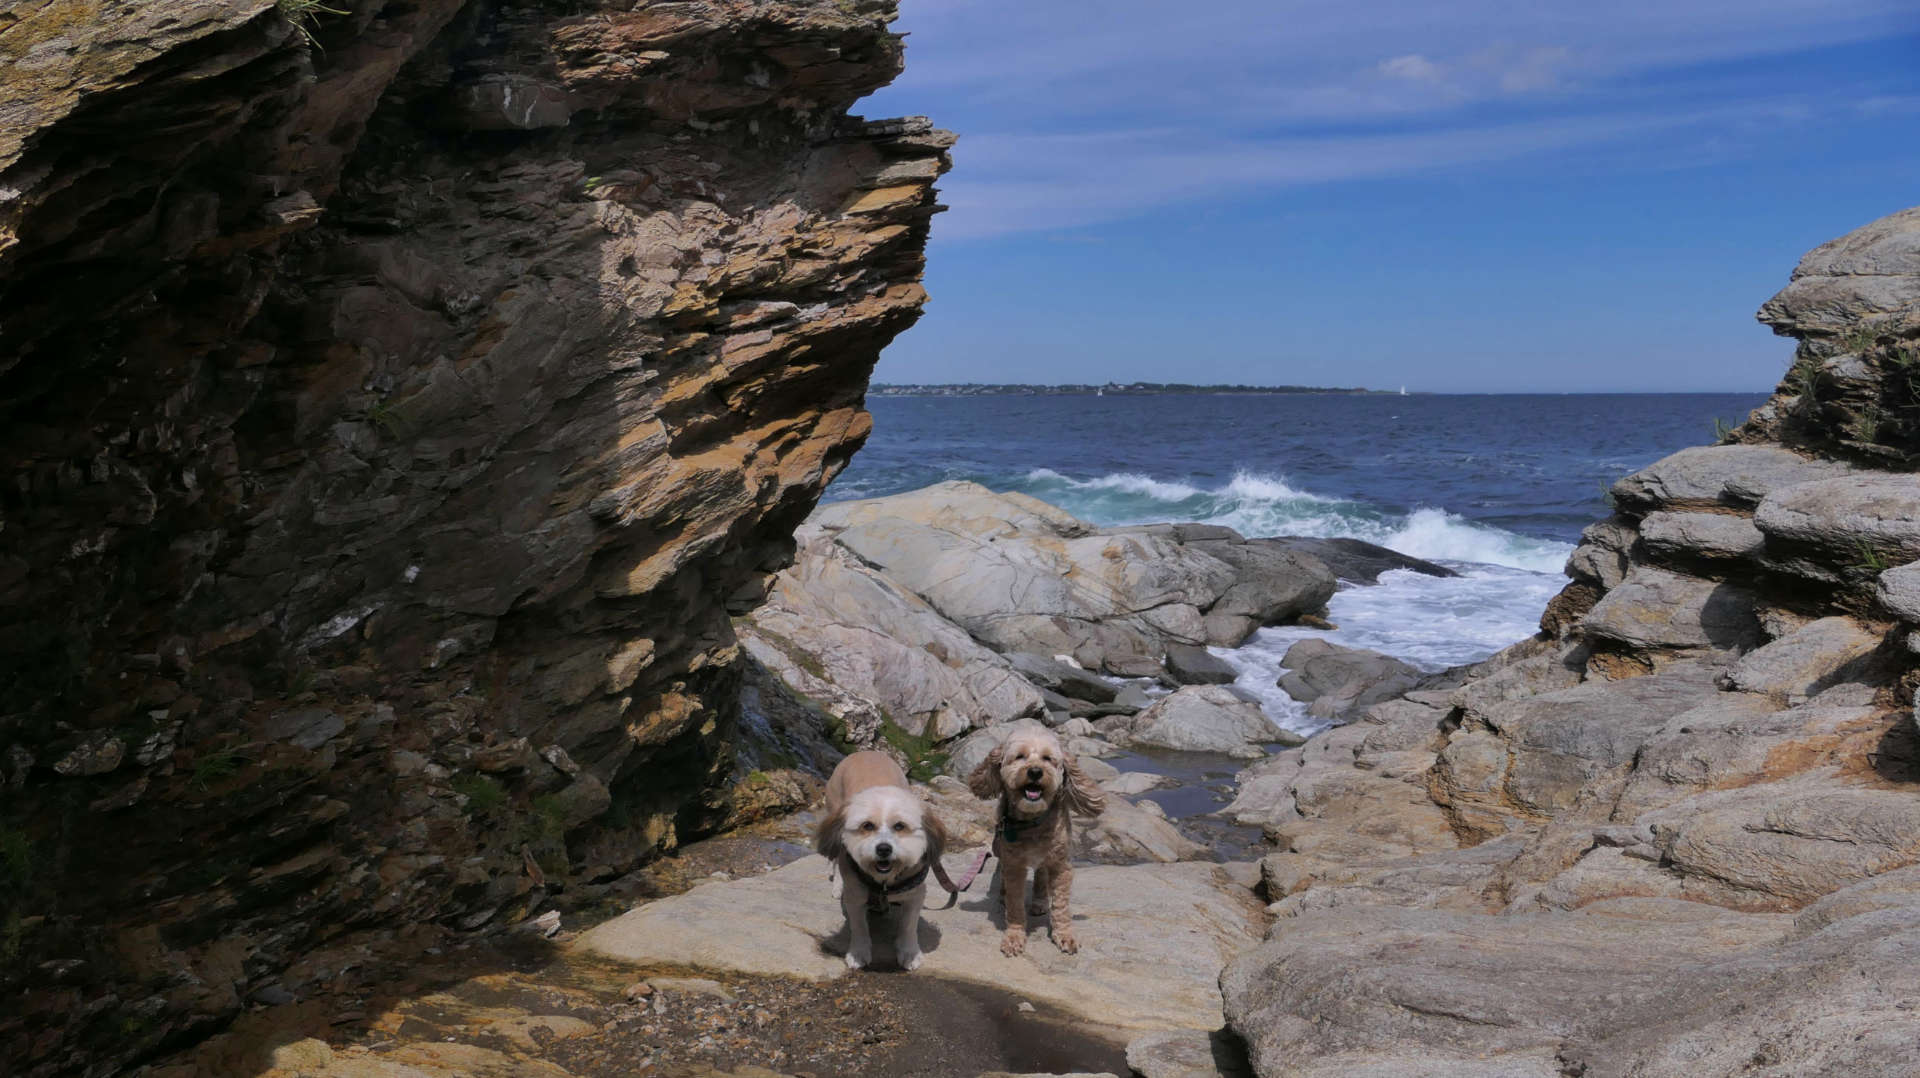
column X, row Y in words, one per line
column 1124, row 483
column 1431, row 622
column 1256, row 505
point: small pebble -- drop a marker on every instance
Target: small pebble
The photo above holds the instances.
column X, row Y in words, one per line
column 1025, row 1007
column 638, row 990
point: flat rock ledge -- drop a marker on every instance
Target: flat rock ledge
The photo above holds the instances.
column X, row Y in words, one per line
column 1153, row 938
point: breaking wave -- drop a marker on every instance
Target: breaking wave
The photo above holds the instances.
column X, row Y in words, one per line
column 1257, row 505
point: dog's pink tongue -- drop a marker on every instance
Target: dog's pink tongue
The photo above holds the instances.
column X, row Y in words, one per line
column 1031, row 794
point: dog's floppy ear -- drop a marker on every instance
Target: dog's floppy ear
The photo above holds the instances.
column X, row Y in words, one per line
column 985, row 780
column 1079, row 793
column 826, row 836
column 936, row 837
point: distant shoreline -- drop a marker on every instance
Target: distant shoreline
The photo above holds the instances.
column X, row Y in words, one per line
column 1148, row 389
column 1111, row 389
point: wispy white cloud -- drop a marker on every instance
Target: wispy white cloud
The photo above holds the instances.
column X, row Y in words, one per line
column 1075, row 112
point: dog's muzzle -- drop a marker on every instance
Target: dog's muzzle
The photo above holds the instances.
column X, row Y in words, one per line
column 1034, row 790
column 883, row 858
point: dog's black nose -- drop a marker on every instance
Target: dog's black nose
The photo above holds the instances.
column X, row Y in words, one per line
column 1034, row 772
column 884, row 849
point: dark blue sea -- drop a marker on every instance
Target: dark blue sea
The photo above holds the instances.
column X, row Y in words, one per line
column 1495, row 486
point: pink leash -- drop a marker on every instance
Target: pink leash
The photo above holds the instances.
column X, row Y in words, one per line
column 954, row 889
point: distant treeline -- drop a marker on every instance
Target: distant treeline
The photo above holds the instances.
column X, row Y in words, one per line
column 974, row 389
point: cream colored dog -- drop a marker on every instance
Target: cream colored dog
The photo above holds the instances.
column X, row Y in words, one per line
column 1039, row 786
column 883, row 841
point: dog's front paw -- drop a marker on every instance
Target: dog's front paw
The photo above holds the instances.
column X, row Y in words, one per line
column 1064, row 939
column 858, row 961
column 911, row 962
column 1013, row 943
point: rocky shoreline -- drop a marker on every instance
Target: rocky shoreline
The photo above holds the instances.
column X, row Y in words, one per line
column 1676, row 833
column 416, row 420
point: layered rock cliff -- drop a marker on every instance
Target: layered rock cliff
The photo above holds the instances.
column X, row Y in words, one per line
column 1678, row 833
column 398, row 402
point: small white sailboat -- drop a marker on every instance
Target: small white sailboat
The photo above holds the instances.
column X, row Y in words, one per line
column 1403, row 391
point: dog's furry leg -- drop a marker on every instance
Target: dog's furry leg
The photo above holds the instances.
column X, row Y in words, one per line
column 906, row 934
column 1039, row 900
column 1013, row 895
column 860, row 945
column 1060, row 924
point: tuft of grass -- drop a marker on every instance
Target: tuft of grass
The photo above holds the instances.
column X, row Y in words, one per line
column 1872, row 560
column 484, row 796
column 1867, row 425
column 305, row 16
column 1721, row 431
column 1805, row 378
column 215, row 766
column 1862, row 338
column 549, row 815
column 1607, row 498
column 387, row 417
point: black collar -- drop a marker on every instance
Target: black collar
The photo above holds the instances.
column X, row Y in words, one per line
column 1012, row 827
column 879, row 894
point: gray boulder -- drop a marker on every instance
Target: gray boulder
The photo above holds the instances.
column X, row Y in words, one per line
column 1682, row 535
column 1846, row 517
column 1191, row 665
column 1019, row 575
column 1602, row 556
column 1338, row 682
column 833, row 628
column 1644, row 987
column 1063, row 678
column 1206, row 718
column 1357, row 560
column 1719, row 475
column 1188, row 1053
column 1873, row 270
column 1655, row 608
column 1899, row 591
column 1796, row 666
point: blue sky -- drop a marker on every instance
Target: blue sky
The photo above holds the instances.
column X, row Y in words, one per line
column 1468, row 195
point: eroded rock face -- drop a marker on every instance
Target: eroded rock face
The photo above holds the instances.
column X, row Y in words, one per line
column 1675, row 834
column 392, row 425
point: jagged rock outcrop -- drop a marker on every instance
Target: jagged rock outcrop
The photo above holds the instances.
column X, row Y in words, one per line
column 916, row 618
column 397, row 405
column 1021, row 576
column 1677, row 833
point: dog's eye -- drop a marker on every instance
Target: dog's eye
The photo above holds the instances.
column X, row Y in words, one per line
column 868, row 826
column 1046, row 757
column 900, row 825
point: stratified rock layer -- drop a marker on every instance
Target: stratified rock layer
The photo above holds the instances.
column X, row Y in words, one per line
column 1678, row 832
column 396, row 408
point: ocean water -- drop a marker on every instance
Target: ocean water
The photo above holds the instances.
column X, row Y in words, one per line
column 1496, row 487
